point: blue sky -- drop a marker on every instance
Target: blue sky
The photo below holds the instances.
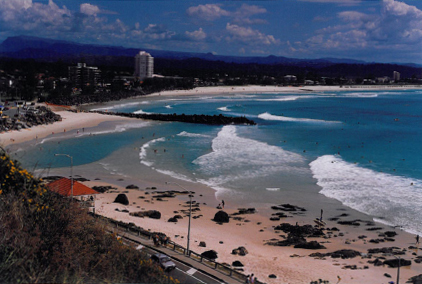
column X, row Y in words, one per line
column 370, row 30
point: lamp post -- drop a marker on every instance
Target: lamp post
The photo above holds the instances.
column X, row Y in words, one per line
column 398, row 267
column 71, row 173
column 190, row 211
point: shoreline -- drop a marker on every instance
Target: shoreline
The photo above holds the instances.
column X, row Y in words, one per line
column 262, row 260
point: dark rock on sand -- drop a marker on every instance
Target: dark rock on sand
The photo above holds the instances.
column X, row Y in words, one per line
column 102, row 189
column 415, row 279
column 132, row 186
column 221, row 217
column 390, row 234
column 210, row 254
column 303, row 231
column 387, row 275
column 395, row 262
column 349, row 223
column 237, row 263
column 154, row 214
column 122, row 199
column 272, row 276
column 288, row 207
column 244, row 211
column 310, row 245
column 172, row 220
column 202, row 244
column 345, row 253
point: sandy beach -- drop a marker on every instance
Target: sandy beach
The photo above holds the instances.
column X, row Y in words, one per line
column 253, row 231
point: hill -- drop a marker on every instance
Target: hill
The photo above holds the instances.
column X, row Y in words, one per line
column 47, row 239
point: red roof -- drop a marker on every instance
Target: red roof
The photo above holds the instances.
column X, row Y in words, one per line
column 63, row 187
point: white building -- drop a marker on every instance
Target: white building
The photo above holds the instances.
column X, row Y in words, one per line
column 144, row 65
column 396, row 76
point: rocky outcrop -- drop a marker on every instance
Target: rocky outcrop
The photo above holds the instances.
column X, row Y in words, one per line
column 221, row 217
column 288, row 208
column 122, row 199
column 210, row 254
column 310, row 245
column 29, row 119
column 396, row 262
column 153, row 214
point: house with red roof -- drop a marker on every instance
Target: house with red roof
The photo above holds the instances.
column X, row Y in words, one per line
column 81, row 192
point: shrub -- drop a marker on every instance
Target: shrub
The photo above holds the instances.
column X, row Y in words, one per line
column 47, row 238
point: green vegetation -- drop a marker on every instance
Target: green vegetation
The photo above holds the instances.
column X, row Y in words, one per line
column 46, row 238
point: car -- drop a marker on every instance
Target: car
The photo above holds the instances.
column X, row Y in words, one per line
column 164, row 261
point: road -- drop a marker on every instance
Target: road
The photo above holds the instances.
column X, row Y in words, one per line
column 184, row 273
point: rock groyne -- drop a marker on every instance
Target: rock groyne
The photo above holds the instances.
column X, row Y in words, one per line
column 189, row 118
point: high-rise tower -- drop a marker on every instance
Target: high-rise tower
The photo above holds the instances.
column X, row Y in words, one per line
column 144, row 65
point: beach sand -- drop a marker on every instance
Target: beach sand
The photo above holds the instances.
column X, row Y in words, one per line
column 252, row 231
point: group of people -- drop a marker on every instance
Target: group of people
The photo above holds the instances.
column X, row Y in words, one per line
column 160, row 239
column 250, row 279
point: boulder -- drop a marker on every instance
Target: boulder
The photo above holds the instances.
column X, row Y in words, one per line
column 173, row 220
column 390, row 234
column 221, row 217
column 132, row 186
column 237, row 263
column 310, row 245
column 415, row 279
column 242, row 251
column 395, row 262
column 345, row 253
column 122, row 199
column 210, row 254
column 154, row 214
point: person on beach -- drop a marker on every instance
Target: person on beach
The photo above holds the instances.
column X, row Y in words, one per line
column 222, row 202
column 417, row 239
column 251, row 279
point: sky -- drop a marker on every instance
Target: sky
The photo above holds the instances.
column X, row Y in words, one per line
column 370, row 30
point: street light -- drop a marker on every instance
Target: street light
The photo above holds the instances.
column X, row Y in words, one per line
column 190, row 211
column 398, row 267
column 71, row 173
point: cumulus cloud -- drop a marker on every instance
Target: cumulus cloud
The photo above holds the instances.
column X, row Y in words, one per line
column 198, row 35
column 90, row 10
column 208, row 12
column 247, row 35
column 396, row 28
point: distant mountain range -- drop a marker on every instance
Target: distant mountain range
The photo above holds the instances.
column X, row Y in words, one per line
column 191, row 64
column 48, row 49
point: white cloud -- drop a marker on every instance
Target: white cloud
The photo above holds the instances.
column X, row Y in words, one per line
column 248, row 35
column 198, row 35
column 208, row 12
column 396, row 28
column 90, row 10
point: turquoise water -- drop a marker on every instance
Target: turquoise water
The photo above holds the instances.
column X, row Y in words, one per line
column 361, row 148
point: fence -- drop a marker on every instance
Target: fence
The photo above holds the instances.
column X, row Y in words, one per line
column 134, row 230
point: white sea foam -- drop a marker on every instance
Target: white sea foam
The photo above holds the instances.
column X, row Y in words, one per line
column 141, row 112
column 395, row 199
column 143, row 152
column 168, row 106
column 175, row 175
column 118, row 106
column 235, row 158
column 273, row 188
column 223, row 108
column 285, row 98
column 269, row 116
column 187, row 134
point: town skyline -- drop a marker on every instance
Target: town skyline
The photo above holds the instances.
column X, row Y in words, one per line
column 374, row 31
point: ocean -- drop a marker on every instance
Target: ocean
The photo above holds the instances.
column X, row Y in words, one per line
column 359, row 148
